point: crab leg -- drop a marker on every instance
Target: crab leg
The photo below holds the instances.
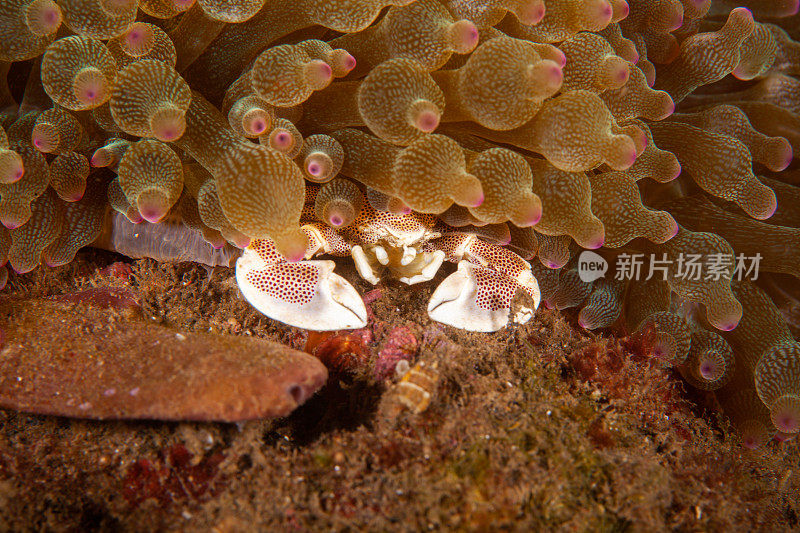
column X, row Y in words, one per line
column 407, row 265
column 305, row 294
column 477, row 297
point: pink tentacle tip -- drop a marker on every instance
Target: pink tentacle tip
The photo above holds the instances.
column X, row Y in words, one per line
column 675, row 229
column 766, row 211
column 641, row 140
column 729, row 326
column 772, row 210
column 326, row 71
column 788, row 160
column 532, row 14
column 52, row 16
column 479, row 200
column 534, row 219
column 336, row 220
column 626, row 160
column 463, row 36
column 152, row 215
column 670, row 107
column 134, row 37
column 676, row 172
column 555, row 74
column 676, row 23
column 320, row 73
column 349, row 62
column 282, row 140
column 314, row 169
column 787, row 422
column 744, row 10
column 10, row 224
column 76, row 196
column 469, row 36
column 582, row 323
column 427, row 121
column 632, row 159
column 258, row 126
column 740, row 72
column 596, row 243
column 605, row 13
column 708, row 371
column 169, row 134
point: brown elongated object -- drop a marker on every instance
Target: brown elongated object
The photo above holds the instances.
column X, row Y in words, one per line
column 96, row 363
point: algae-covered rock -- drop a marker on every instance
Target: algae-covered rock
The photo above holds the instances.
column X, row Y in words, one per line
column 68, row 359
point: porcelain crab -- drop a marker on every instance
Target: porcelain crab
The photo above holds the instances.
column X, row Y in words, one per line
column 411, row 247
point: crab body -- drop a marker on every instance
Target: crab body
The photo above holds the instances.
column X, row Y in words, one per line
column 410, row 247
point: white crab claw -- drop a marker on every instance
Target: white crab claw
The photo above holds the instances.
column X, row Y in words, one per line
column 381, row 254
column 365, row 268
column 409, row 254
column 424, row 268
column 473, row 298
column 528, row 283
column 305, row 294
